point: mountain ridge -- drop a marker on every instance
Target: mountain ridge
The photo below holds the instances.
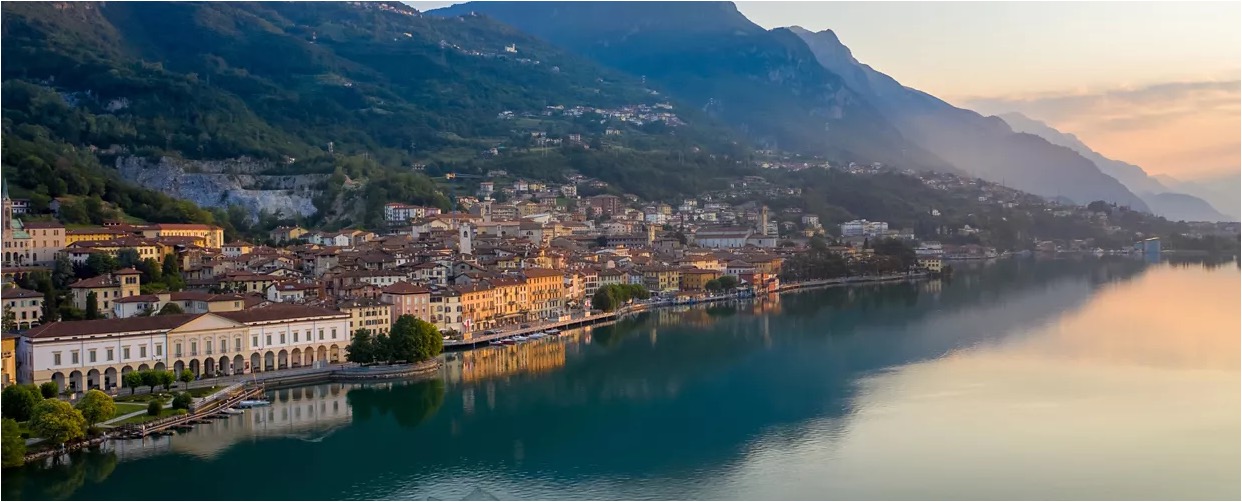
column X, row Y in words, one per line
column 1163, row 200
column 983, row 146
column 766, row 83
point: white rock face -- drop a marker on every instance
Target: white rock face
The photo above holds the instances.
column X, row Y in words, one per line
column 224, row 183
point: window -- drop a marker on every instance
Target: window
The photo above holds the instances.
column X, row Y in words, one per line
column 321, row 333
column 254, row 341
column 142, row 351
column 282, row 338
column 194, row 347
column 333, row 333
column 237, row 343
column 125, row 352
column 90, row 355
column 159, row 349
column 109, row 354
column 177, row 349
column 269, row 339
column 295, row 337
column 224, row 345
column 56, row 358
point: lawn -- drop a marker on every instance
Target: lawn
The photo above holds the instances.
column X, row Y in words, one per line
column 142, row 398
column 127, row 408
column 166, row 412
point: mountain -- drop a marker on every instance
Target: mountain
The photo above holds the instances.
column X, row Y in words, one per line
column 982, row 146
column 766, row 84
column 1223, row 192
column 1161, row 199
column 354, row 93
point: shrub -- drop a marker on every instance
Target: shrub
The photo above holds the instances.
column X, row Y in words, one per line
column 48, row 389
column 182, row 401
column 154, row 407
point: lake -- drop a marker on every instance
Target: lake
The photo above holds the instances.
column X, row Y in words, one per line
column 1089, row 378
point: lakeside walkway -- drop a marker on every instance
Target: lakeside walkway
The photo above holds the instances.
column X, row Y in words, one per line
column 587, row 320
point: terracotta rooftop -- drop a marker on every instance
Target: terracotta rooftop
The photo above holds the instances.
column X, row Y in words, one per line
column 110, row 326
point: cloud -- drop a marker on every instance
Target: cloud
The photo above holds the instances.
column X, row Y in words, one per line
column 1171, row 127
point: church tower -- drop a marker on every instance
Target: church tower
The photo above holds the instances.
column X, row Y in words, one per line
column 466, row 239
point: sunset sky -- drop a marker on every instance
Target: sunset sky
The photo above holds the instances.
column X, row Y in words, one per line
column 1152, row 83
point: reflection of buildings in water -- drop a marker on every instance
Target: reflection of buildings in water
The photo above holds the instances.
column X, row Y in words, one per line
column 770, row 304
column 505, row 360
column 932, row 286
column 308, row 413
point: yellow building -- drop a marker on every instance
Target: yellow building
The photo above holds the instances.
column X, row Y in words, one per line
column 659, row 278
column 510, row 300
column 931, row 263
column 545, row 291
column 477, row 303
column 107, row 288
column 373, row 315
column 94, row 234
column 47, row 239
column 80, row 251
column 696, row 279
column 10, row 360
column 25, row 305
column 210, row 236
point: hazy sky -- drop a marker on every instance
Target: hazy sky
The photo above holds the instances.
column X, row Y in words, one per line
column 1153, row 83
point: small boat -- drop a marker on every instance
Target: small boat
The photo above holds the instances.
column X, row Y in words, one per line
column 232, row 411
column 552, row 331
column 251, row 403
column 506, row 341
column 519, row 338
column 536, row 336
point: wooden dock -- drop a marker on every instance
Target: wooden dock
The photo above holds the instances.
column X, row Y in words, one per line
column 475, row 341
column 196, row 415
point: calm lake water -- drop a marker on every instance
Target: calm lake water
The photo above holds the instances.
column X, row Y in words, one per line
column 1021, row 379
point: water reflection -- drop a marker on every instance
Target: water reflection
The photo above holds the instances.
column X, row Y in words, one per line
column 1008, row 368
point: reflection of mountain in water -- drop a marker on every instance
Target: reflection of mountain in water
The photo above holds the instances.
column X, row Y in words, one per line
column 648, row 396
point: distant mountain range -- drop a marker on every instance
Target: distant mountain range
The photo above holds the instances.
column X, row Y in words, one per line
column 766, row 84
column 1164, row 200
column 801, row 91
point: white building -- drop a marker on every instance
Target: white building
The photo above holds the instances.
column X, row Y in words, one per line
column 857, row 228
column 398, row 212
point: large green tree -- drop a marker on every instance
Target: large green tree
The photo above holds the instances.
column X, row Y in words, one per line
column 414, row 339
column 96, row 407
column 57, row 422
column 133, row 380
column 18, row 401
column 14, row 447
column 92, row 305
column 361, row 349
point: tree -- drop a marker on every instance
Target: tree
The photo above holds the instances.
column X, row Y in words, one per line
column 170, row 309
column 172, row 273
column 57, row 421
column 186, row 377
column 361, row 349
column 154, row 407
column 10, row 320
column 182, row 401
column 167, row 378
column 902, row 252
column 382, row 349
column 101, row 263
column 50, row 312
column 712, row 285
column 62, row 273
column 151, row 378
column 18, row 401
column 728, row 282
column 133, row 380
column 604, row 299
column 92, row 305
column 414, row 339
column 49, row 389
column 14, row 446
column 128, row 258
column 96, row 407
